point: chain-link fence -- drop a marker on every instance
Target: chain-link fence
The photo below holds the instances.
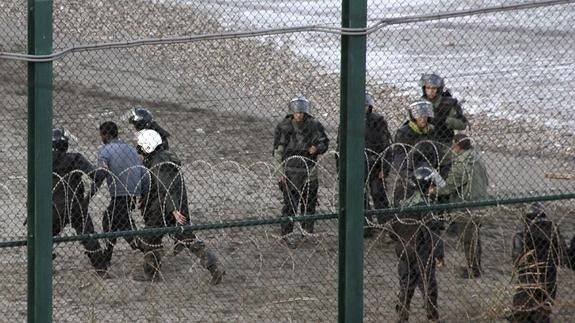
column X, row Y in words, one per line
column 218, row 79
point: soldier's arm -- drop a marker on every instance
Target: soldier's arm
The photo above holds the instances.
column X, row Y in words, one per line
column 456, row 120
column 322, row 141
column 170, row 181
column 456, row 179
column 280, row 141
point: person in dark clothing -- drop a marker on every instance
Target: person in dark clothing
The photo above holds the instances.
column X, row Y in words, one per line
column 537, row 251
column 418, row 247
column 141, row 119
column 571, row 253
column 414, row 147
column 167, row 205
column 447, row 111
column 69, row 204
column 298, row 141
column 377, row 160
column 121, row 167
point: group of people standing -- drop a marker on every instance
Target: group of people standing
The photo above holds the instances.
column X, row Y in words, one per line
column 425, row 162
column 146, row 177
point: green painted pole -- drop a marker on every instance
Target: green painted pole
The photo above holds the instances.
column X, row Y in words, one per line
column 39, row 238
column 351, row 170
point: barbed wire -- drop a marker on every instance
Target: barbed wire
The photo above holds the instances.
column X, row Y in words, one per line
column 342, row 31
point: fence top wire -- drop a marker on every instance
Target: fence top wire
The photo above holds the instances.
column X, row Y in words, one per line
column 379, row 24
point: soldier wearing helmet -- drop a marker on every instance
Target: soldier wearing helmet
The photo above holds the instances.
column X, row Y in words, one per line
column 69, row 203
column 167, row 205
column 299, row 139
column 377, row 159
column 418, row 246
column 538, row 248
column 414, row 146
column 141, row 119
column 467, row 181
column 448, row 114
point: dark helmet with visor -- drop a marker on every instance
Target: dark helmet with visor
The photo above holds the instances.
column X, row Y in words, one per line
column 432, row 80
column 59, row 140
column 140, row 118
column 299, row 104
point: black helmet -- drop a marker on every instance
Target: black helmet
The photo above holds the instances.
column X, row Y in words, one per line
column 299, row 104
column 535, row 210
column 140, row 118
column 432, row 80
column 59, row 140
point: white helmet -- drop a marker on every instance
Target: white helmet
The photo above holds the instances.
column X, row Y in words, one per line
column 148, row 140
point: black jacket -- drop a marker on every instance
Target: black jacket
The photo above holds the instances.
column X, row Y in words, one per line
column 537, row 251
column 377, row 141
column 67, row 185
column 162, row 132
column 167, row 188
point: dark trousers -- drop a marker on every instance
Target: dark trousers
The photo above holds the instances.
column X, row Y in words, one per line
column 82, row 223
column 304, row 199
column 152, row 245
column 417, row 271
column 470, row 235
column 375, row 188
column 530, row 306
column 117, row 218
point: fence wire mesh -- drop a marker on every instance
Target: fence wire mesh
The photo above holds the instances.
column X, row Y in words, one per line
column 217, row 78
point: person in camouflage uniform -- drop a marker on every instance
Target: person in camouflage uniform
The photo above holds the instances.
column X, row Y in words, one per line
column 447, row 111
column 467, row 181
column 166, row 204
column 299, row 139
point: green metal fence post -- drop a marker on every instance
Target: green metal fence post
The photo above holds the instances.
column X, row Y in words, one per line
column 39, row 203
column 351, row 170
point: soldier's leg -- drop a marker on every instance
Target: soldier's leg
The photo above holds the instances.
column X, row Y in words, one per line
column 208, row 258
column 152, row 248
column 379, row 197
column 428, row 287
column 472, row 245
column 290, row 203
column 407, row 281
column 309, row 202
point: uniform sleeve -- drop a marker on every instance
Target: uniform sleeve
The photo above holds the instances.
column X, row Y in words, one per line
column 383, row 134
column 172, row 186
column 456, row 179
column 399, row 151
column 438, row 246
column 456, row 120
column 322, row 141
column 84, row 165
